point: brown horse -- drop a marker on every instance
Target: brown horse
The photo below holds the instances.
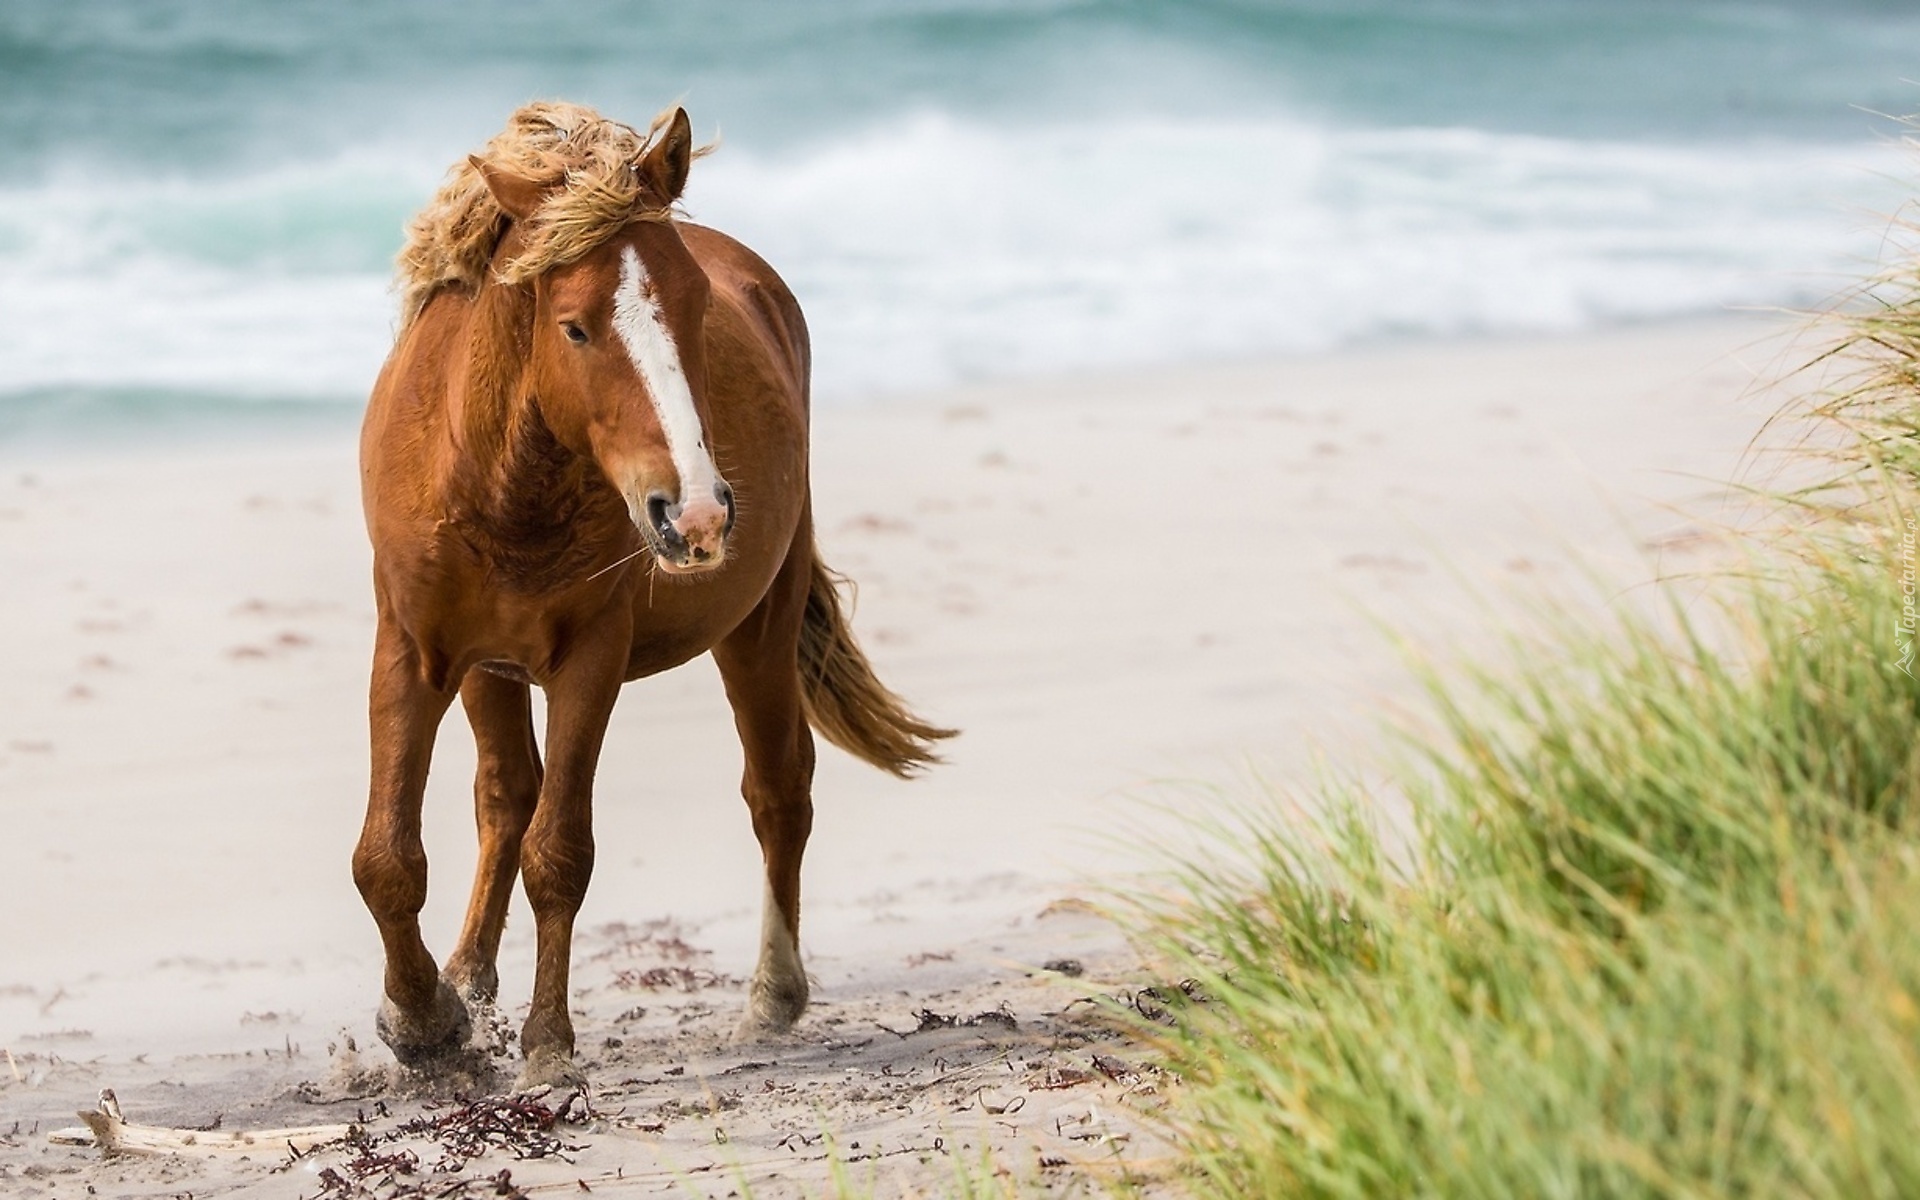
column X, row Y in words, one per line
column 542, row 472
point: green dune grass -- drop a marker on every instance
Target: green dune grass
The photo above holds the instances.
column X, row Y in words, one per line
column 1656, row 929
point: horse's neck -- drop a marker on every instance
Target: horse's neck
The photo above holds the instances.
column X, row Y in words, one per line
column 511, row 478
column 489, row 397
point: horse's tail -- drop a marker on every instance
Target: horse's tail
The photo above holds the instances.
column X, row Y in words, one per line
column 841, row 697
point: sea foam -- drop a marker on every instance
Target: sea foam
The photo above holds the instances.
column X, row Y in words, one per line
column 930, row 248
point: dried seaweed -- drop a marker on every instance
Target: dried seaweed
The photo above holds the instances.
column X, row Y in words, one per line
column 674, row 978
column 521, row 1126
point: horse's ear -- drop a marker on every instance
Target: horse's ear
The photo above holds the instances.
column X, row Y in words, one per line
column 664, row 168
column 517, row 196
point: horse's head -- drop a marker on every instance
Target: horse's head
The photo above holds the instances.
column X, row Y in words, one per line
column 617, row 362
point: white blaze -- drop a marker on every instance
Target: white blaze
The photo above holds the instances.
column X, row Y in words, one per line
column 642, row 329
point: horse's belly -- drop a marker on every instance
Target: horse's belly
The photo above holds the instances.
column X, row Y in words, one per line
column 676, row 623
column 504, row 669
column 654, row 656
column 648, row 657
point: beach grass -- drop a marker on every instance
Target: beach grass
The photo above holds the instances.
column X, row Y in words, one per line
column 1652, row 927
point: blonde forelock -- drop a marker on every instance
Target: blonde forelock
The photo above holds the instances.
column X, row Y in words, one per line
column 587, row 164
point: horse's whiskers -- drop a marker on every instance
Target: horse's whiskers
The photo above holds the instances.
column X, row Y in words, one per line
column 615, row 563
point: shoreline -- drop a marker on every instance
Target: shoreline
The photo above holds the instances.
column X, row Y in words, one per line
column 212, row 424
column 1128, row 590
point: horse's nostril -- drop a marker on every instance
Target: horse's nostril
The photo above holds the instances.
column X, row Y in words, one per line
column 658, row 515
column 724, row 495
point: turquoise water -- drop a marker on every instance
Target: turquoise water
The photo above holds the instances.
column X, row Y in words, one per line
column 199, row 200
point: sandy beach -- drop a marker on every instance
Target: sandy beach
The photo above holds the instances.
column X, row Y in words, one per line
column 1133, row 593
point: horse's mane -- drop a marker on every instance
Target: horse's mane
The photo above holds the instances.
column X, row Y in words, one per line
column 451, row 241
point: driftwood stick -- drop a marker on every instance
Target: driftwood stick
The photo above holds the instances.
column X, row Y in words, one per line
column 113, row 1134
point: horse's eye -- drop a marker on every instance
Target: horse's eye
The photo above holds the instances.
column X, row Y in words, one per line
column 575, row 334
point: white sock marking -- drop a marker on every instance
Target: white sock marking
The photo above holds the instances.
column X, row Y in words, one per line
column 777, row 947
column 642, row 329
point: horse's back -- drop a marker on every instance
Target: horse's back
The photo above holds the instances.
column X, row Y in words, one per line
column 757, row 303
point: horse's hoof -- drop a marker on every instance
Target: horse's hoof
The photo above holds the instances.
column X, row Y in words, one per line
column 551, row 1069
column 478, row 986
column 770, row 1013
column 424, row 1040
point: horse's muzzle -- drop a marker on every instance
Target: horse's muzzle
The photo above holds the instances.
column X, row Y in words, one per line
column 692, row 536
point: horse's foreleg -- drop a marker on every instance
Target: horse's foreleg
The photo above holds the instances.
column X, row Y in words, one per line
column 759, row 663
column 506, row 786
column 420, row 1018
column 556, row 855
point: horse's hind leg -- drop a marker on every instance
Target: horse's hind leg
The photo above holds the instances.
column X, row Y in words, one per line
column 759, row 663
column 506, row 786
column 421, row 1018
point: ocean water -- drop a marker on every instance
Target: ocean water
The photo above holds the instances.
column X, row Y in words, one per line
column 200, row 198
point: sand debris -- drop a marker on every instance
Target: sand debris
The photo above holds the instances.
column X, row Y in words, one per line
column 998, row 1018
